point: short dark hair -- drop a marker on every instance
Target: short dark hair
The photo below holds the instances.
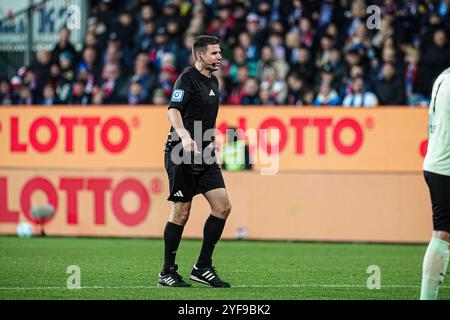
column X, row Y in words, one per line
column 202, row 42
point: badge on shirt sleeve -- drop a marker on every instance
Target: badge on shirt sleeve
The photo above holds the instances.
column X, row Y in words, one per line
column 177, row 95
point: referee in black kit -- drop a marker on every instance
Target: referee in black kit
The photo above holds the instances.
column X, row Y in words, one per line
column 191, row 164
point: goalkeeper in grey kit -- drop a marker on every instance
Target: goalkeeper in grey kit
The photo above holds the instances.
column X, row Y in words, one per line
column 436, row 168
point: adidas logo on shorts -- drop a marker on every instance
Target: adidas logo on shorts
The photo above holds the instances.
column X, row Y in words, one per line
column 179, row 194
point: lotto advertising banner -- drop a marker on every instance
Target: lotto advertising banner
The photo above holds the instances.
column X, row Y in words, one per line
column 294, row 206
column 82, row 137
column 305, row 139
column 341, row 175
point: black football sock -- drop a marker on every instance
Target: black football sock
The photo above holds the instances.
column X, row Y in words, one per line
column 172, row 237
column 211, row 235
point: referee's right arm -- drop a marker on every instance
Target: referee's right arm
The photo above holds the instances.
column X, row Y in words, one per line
column 176, row 121
column 178, row 102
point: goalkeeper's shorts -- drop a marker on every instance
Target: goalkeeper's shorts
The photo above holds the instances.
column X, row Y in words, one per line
column 439, row 186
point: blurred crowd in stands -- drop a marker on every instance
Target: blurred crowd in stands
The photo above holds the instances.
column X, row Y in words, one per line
column 299, row 52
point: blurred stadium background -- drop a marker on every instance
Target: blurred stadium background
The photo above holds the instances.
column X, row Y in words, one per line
column 83, row 90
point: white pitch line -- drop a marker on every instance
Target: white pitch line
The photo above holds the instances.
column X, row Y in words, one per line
column 239, row 286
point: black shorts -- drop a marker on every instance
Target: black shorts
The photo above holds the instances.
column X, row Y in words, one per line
column 439, row 186
column 188, row 180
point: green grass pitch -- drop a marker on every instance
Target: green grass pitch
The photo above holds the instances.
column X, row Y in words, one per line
column 36, row 268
